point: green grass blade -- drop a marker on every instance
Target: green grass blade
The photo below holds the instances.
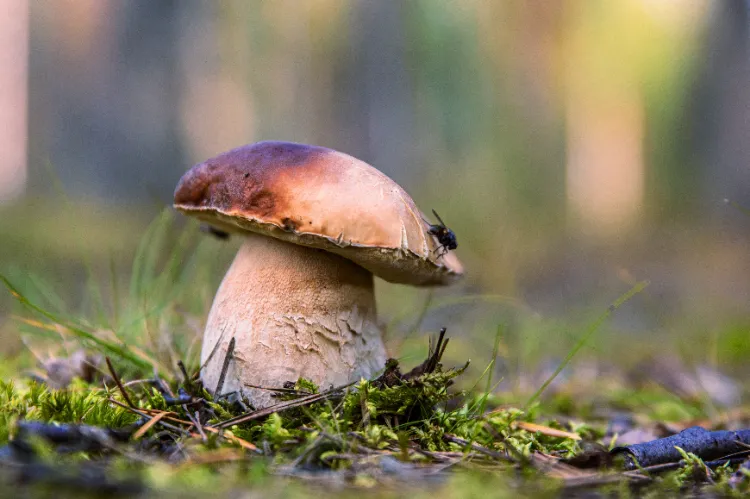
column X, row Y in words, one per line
column 115, row 292
column 467, row 300
column 149, row 248
column 43, row 289
column 488, row 386
column 639, row 287
column 121, row 351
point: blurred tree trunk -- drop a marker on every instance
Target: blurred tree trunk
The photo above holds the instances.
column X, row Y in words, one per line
column 377, row 119
column 111, row 116
column 216, row 61
column 14, row 57
column 723, row 106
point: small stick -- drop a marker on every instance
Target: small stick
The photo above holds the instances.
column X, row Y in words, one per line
column 182, row 399
column 435, row 352
column 210, row 355
column 442, row 343
column 148, row 416
column 183, row 370
column 290, row 391
column 156, row 412
column 442, row 350
column 300, row 402
column 708, row 445
column 119, row 383
column 224, row 368
column 163, row 386
column 740, row 457
column 197, row 423
column 143, row 429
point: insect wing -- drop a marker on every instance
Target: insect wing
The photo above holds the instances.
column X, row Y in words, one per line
column 438, row 217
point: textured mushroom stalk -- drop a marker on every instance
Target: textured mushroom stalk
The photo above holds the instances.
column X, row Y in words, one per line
column 294, row 312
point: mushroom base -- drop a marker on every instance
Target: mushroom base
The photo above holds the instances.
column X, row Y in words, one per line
column 294, row 312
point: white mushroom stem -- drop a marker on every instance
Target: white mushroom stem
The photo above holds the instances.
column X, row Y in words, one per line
column 294, row 312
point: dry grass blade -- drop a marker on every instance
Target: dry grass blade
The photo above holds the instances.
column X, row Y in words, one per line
column 154, row 412
column 546, row 430
column 148, row 416
column 232, row 438
column 150, row 424
column 584, row 339
column 115, row 348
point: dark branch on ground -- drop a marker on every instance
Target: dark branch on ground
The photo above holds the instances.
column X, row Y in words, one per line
column 707, row 445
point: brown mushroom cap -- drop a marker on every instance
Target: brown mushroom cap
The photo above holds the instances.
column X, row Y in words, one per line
column 319, row 198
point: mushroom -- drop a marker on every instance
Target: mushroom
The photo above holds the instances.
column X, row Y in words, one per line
column 298, row 299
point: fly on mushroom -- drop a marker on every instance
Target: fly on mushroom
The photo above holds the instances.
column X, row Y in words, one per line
column 445, row 236
column 286, row 286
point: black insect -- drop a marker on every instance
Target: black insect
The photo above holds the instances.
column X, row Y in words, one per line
column 445, row 236
column 217, row 233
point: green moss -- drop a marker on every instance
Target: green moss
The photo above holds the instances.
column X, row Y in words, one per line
column 35, row 402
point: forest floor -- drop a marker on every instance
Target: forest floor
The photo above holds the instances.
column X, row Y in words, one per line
column 118, row 409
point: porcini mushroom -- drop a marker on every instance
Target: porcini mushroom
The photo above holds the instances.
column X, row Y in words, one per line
column 298, row 298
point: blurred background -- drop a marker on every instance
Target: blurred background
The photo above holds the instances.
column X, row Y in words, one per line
column 575, row 148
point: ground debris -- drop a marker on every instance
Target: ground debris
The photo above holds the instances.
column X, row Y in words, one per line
column 394, row 430
column 281, row 407
column 432, row 363
column 707, row 445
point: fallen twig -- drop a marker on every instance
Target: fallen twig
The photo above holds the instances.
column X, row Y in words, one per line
column 119, row 383
column 148, row 416
column 197, row 423
column 183, row 370
column 300, row 402
column 288, row 391
column 435, row 353
column 708, row 445
column 660, row 468
column 151, row 422
column 225, row 368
